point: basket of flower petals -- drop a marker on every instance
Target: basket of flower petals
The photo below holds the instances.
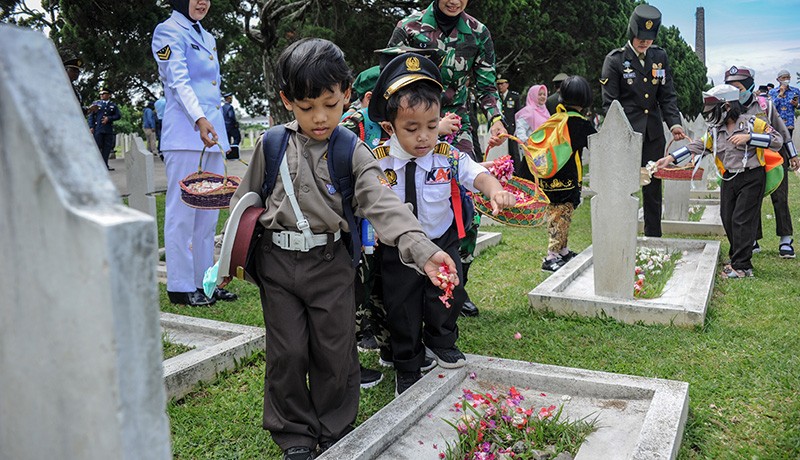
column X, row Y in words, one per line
column 207, row 190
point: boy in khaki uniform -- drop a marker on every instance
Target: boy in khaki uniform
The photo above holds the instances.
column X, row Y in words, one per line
column 311, row 386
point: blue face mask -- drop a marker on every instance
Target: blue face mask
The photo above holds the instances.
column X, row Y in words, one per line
column 744, row 95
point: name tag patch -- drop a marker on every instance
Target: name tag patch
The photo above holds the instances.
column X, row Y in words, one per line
column 438, row 176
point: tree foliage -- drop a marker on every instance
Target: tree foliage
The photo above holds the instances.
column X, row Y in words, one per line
column 534, row 40
column 688, row 72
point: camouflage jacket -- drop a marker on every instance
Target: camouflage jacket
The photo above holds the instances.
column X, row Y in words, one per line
column 468, row 49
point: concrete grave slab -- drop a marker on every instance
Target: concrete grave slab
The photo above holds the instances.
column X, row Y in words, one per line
column 710, row 222
column 217, row 347
column 638, row 418
column 80, row 346
column 139, row 177
column 571, row 289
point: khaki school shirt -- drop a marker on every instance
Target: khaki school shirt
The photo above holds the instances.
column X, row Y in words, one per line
column 322, row 206
column 732, row 155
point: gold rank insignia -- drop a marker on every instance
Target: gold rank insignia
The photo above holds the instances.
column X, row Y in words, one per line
column 391, row 175
column 648, row 25
column 412, row 64
column 603, row 81
column 164, row 53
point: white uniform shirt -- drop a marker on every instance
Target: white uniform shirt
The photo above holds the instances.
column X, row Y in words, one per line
column 434, row 212
column 189, row 69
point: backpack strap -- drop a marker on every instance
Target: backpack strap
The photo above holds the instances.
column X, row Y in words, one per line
column 273, row 145
column 341, row 146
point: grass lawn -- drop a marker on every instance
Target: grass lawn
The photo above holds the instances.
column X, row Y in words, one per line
column 742, row 365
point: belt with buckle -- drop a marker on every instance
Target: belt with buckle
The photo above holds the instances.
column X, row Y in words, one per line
column 296, row 241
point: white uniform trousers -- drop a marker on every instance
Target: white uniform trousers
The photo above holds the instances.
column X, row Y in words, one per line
column 188, row 232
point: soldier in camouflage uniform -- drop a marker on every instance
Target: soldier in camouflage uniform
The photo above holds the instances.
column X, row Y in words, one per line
column 463, row 47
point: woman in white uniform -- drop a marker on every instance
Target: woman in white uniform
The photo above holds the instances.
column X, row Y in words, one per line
column 186, row 55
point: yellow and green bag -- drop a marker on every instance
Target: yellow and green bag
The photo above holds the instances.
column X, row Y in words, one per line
column 549, row 148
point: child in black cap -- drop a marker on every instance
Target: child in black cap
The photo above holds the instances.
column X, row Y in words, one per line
column 406, row 102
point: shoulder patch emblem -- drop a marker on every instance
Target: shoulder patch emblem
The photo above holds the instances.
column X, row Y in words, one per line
column 391, row 175
column 603, row 81
column 164, row 53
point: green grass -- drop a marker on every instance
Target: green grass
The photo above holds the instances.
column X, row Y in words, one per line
column 160, row 200
column 742, row 365
column 172, row 349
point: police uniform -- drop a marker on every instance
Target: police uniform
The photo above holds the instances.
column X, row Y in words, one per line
column 308, row 298
column 104, row 132
column 743, row 182
column 765, row 110
column 644, row 87
column 188, row 67
column 232, row 127
column 414, row 310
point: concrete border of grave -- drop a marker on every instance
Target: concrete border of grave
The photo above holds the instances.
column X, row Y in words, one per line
column 638, row 417
column 570, row 290
column 219, row 346
column 487, row 240
column 710, row 222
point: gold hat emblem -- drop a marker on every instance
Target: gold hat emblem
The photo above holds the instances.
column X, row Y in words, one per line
column 648, row 25
column 412, row 64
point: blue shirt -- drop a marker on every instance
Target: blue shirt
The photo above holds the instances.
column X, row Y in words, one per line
column 784, row 104
column 148, row 118
column 161, row 104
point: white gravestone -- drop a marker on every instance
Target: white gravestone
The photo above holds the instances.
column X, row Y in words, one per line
column 696, row 130
column 613, row 208
column 80, row 342
column 139, row 177
column 676, row 192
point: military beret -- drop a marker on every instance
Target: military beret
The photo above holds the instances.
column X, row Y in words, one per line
column 739, row 73
column 644, row 23
column 560, row 77
column 400, row 72
column 365, row 81
column 387, row 54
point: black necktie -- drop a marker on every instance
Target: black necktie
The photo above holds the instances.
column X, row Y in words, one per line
column 411, row 185
column 196, row 27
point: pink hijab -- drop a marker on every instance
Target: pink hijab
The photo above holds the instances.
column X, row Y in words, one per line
column 533, row 113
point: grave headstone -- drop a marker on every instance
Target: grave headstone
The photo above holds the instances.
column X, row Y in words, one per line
column 80, row 344
column 140, row 177
column 613, row 208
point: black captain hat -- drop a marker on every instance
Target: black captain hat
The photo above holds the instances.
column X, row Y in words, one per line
column 385, row 55
column 644, row 23
column 400, row 72
column 228, row 94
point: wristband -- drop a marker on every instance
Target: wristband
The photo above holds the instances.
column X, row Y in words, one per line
column 497, row 118
column 790, row 148
column 680, row 154
column 759, row 140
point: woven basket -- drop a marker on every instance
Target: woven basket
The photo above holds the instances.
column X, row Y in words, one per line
column 679, row 173
column 217, row 198
column 530, row 212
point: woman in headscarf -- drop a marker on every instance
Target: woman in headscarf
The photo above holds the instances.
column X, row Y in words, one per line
column 188, row 67
column 533, row 114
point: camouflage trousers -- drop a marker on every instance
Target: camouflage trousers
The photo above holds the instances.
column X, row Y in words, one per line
column 467, row 244
column 370, row 310
column 559, row 218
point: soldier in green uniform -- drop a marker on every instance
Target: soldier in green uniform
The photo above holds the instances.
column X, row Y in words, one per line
column 463, row 47
column 638, row 75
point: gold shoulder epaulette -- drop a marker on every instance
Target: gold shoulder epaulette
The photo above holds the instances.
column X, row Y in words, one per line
column 442, row 148
column 381, row 152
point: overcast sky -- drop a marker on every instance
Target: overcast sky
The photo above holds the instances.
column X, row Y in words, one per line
column 762, row 34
